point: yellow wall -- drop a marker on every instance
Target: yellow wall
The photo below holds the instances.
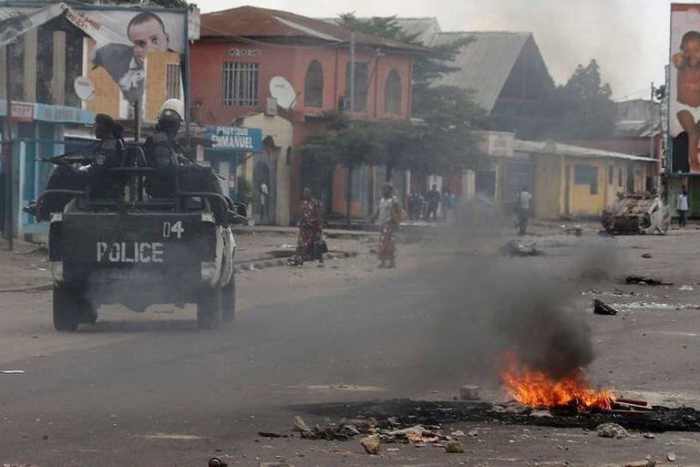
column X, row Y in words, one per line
column 547, row 195
column 557, row 194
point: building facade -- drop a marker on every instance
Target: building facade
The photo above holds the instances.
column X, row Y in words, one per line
column 269, row 62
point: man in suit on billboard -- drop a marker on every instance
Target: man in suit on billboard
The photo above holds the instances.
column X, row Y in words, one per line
column 125, row 64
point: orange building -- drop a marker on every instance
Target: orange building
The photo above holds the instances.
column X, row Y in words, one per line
column 242, row 49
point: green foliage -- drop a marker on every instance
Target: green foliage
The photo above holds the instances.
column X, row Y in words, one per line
column 583, row 106
column 444, row 139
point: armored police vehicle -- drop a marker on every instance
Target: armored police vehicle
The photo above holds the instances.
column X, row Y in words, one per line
column 137, row 225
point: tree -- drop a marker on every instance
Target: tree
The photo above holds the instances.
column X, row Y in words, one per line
column 583, row 107
column 346, row 143
column 444, row 140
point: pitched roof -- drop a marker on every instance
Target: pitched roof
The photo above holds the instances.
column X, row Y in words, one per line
column 551, row 148
column 485, row 63
column 254, row 22
column 425, row 29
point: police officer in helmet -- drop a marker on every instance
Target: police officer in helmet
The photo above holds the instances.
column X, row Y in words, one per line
column 162, row 151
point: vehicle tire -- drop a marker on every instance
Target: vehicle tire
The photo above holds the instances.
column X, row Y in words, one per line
column 67, row 309
column 209, row 308
column 228, row 300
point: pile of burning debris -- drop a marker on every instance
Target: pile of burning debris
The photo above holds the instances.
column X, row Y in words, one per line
column 539, row 399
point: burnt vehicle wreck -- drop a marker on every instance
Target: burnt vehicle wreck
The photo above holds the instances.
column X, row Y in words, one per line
column 138, row 225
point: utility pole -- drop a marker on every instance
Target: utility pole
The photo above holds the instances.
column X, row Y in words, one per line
column 653, row 125
column 348, row 194
column 7, row 146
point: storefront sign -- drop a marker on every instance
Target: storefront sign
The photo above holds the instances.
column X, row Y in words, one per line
column 227, row 137
column 237, row 52
column 62, row 114
column 22, row 112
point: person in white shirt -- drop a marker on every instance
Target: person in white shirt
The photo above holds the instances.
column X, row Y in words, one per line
column 523, row 210
column 682, row 206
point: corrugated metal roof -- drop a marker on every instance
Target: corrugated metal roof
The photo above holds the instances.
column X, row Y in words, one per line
column 425, row 29
column 485, row 63
column 254, row 22
column 552, row 148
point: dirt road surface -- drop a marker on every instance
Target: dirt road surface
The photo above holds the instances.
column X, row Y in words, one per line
column 149, row 389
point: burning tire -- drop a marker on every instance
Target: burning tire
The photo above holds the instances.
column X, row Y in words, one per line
column 209, row 308
column 67, row 309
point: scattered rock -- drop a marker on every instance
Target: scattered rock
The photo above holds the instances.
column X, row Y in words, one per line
column 611, row 430
column 458, row 434
column 473, row 433
column 671, row 457
column 454, row 447
column 469, row 392
column 602, row 308
column 520, row 248
column 541, row 414
column 644, row 463
column 645, row 280
column 371, row 444
column 649, row 435
column 300, row 425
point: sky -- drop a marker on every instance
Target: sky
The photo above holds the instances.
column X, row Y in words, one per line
column 628, row 38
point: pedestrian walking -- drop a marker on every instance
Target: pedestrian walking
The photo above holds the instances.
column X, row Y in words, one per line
column 433, row 199
column 388, row 216
column 523, row 210
column 682, row 206
column 310, row 244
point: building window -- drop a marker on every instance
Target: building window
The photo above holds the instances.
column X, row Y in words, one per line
column 240, row 82
column 611, row 175
column 361, row 85
column 313, row 85
column 587, row 175
column 619, row 177
column 173, row 81
column 392, row 93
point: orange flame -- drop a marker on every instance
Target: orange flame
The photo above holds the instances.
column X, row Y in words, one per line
column 537, row 389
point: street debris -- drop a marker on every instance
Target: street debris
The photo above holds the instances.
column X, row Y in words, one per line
column 645, row 280
column 520, row 248
column 644, row 463
column 216, row 462
column 647, row 256
column 611, row 430
column 454, row 447
column 601, row 308
column 270, row 434
column 12, row 372
column 576, row 230
column 371, row 444
column 649, row 435
column 671, row 457
column 469, row 392
column 686, row 288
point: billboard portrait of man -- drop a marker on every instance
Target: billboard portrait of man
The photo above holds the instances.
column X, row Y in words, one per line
column 684, row 116
column 125, row 63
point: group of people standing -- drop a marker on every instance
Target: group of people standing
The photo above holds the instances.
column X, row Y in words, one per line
column 310, row 243
column 426, row 206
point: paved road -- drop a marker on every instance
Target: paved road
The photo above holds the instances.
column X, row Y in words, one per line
column 156, row 391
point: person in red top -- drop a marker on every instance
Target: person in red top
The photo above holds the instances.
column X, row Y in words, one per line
column 309, row 242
